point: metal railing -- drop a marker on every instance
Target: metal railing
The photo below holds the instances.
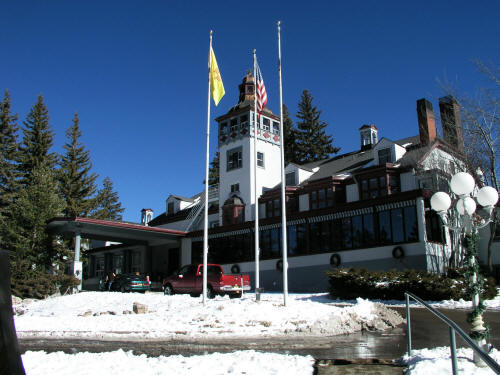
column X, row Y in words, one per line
column 453, row 328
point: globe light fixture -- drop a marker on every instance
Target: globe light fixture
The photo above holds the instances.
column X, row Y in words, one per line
column 440, row 201
column 487, row 196
column 462, row 183
column 466, row 205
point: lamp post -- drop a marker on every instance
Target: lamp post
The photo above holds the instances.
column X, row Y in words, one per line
column 462, row 185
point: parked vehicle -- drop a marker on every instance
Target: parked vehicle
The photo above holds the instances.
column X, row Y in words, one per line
column 189, row 279
column 128, row 282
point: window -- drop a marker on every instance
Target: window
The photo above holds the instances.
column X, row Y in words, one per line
column 270, row 243
column 234, row 159
column 118, row 264
column 321, row 198
column 170, row 208
column 223, row 128
column 290, row 179
column 99, row 267
column 260, row 159
column 276, row 127
column 394, row 184
column 398, row 225
column 434, row 227
column 377, row 186
column 384, row 156
column 265, row 124
column 234, row 125
column 273, row 208
column 243, row 120
column 136, row 262
column 235, row 188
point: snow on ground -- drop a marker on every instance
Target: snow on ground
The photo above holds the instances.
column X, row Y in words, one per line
column 108, row 315
column 125, row 363
column 493, row 304
column 437, row 361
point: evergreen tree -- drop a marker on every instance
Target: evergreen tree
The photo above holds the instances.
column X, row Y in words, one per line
column 213, row 173
column 37, row 202
column 9, row 154
column 289, row 133
column 76, row 182
column 108, row 203
column 311, row 140
column 37, row 141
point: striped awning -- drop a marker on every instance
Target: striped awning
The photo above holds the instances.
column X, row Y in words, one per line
column 389, row 206
column 340, row 215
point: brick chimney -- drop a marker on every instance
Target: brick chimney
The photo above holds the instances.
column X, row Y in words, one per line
column 426, row 122
column 451, row 122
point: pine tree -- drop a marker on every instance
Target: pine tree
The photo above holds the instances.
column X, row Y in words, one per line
column 108, row 203
column 289, row 133
column 38, row 202
column 76, row 182
column 37, row 141
column 213, row 173
column 9, row 154
column 312, row 142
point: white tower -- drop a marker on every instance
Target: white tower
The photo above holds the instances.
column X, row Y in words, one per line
column 236, row 148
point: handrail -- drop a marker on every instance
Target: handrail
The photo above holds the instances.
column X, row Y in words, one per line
column 453, row 328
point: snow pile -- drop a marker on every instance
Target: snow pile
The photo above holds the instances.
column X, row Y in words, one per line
column 108, row 315
column 438, row 361
column 125, row 363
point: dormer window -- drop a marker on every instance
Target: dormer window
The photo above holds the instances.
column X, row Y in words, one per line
column 384, row 156
column 290, row 179
column 170, row 208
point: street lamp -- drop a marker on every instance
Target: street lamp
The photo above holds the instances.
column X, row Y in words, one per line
column 462, row 185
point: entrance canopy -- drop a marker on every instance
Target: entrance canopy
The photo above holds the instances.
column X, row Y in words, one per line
column 115, row 231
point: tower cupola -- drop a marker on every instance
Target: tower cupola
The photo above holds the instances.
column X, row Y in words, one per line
column 247, row 88
column 369, row 136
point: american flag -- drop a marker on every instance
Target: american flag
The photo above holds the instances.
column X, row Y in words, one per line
column 261, row 92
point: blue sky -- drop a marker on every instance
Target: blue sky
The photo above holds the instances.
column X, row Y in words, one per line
column 136, row 72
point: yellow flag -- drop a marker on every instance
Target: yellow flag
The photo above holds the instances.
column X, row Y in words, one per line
column 215, row 79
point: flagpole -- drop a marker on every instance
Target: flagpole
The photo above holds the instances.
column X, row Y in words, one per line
column 257, row 272
column 205, row 225
column 283, row 202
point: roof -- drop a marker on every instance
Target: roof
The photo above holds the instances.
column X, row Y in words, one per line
column 345, row 163
column 111, row 230
column 178, row 197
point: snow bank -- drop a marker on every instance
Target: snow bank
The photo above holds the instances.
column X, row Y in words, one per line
column 108, row 315
column 125, row 363
column 437, row 361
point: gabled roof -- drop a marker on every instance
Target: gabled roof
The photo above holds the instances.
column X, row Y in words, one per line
column 178, row 197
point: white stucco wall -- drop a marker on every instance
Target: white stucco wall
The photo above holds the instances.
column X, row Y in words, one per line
column 408, row 181
column 352, row 193
column 267, row 177
column 304, row 202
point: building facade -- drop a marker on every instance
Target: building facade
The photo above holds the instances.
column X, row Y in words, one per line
column 368, row 208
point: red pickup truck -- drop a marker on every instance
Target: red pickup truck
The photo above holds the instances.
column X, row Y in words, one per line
column 189, row 279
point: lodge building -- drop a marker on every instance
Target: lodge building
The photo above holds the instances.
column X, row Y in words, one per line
column 368, row 208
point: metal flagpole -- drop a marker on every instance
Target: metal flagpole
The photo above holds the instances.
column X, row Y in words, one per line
column 257, row 255
column 205, row 226
column 283, row 202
